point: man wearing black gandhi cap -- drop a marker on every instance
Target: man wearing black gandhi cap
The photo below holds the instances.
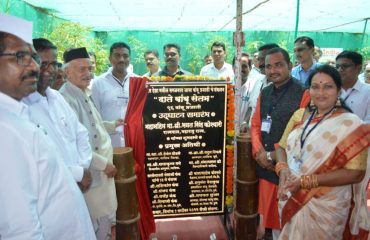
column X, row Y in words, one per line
column 101, row 197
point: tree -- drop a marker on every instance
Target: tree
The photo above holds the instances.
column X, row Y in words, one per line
column 72, row 35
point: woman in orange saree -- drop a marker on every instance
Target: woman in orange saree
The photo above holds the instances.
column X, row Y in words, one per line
column 321, row 157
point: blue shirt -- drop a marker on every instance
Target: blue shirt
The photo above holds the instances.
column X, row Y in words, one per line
column 301, row 75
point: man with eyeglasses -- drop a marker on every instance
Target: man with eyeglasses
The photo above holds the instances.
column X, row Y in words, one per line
column 356, row 95
column 151, row 58
column 110, row 91
column 304, row 48
column 48, row 109
column 39, row 198
column 172, row 54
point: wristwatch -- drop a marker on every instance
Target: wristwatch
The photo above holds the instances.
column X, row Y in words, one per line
column 269, row 156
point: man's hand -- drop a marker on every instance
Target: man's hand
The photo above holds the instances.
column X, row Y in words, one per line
column 110, row 170
column 86, row 180
column 263, row 162
column 119, row 122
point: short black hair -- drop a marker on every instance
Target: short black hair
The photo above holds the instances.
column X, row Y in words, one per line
column 243, row 54
column 309, row 41
column 206, row 56
column 356, row 58
column 42, row 44
column 172, row 45
column 218, row 44
column 152, row 51
column 279, row 50
column 329, row 70
column 268, row 46
column 119, row 45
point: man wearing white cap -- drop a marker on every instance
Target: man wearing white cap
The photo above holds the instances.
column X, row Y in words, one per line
column 39, row 198
column 101, row 197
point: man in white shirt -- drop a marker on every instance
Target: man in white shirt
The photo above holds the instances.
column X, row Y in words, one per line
column 110, row 91
column 152, row 62
column 219, row 69
column 255, row 66
column 246, row 87
column 355, row 94
column 48, row 109
column 39, row 198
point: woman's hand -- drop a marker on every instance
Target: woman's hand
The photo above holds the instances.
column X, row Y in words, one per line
column 293, row 184
column 284, row 176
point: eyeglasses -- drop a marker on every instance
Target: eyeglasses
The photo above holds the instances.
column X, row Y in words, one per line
column 343, row 66
column 23, row 58
column 170, row 54
column 45, row 65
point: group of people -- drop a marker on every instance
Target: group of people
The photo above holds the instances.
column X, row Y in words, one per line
column 310, row 137
column 307, row 127
column 57, row 175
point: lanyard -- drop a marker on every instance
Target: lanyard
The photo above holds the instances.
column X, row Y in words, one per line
column 303, row 139
column 349, row 94
column 121, row 84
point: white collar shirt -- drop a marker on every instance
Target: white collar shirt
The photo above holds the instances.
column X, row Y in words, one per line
column 226, row 71
column 246, row 91
column 39, row 198
column 54, row 114
column 358, row 99
column 111, row 98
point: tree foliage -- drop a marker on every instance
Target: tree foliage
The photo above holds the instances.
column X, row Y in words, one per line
column 72, row 35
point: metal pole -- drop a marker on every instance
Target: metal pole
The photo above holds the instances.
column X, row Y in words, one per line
column 238, row 43
column 297, row 20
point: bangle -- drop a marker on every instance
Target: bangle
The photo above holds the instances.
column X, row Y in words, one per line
column 280, row 166
column 309, row 181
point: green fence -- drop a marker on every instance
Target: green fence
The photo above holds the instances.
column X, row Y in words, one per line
column 195, row 45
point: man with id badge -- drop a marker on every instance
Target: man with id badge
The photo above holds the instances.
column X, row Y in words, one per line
column 276, row 104
column 110, row 91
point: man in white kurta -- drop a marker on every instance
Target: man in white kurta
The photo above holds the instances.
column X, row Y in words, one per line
column 101, row 197
column 110, row 91
column 48, row 109
column 39, row 198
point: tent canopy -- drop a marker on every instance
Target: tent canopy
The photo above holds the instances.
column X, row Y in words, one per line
column 211, row 15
